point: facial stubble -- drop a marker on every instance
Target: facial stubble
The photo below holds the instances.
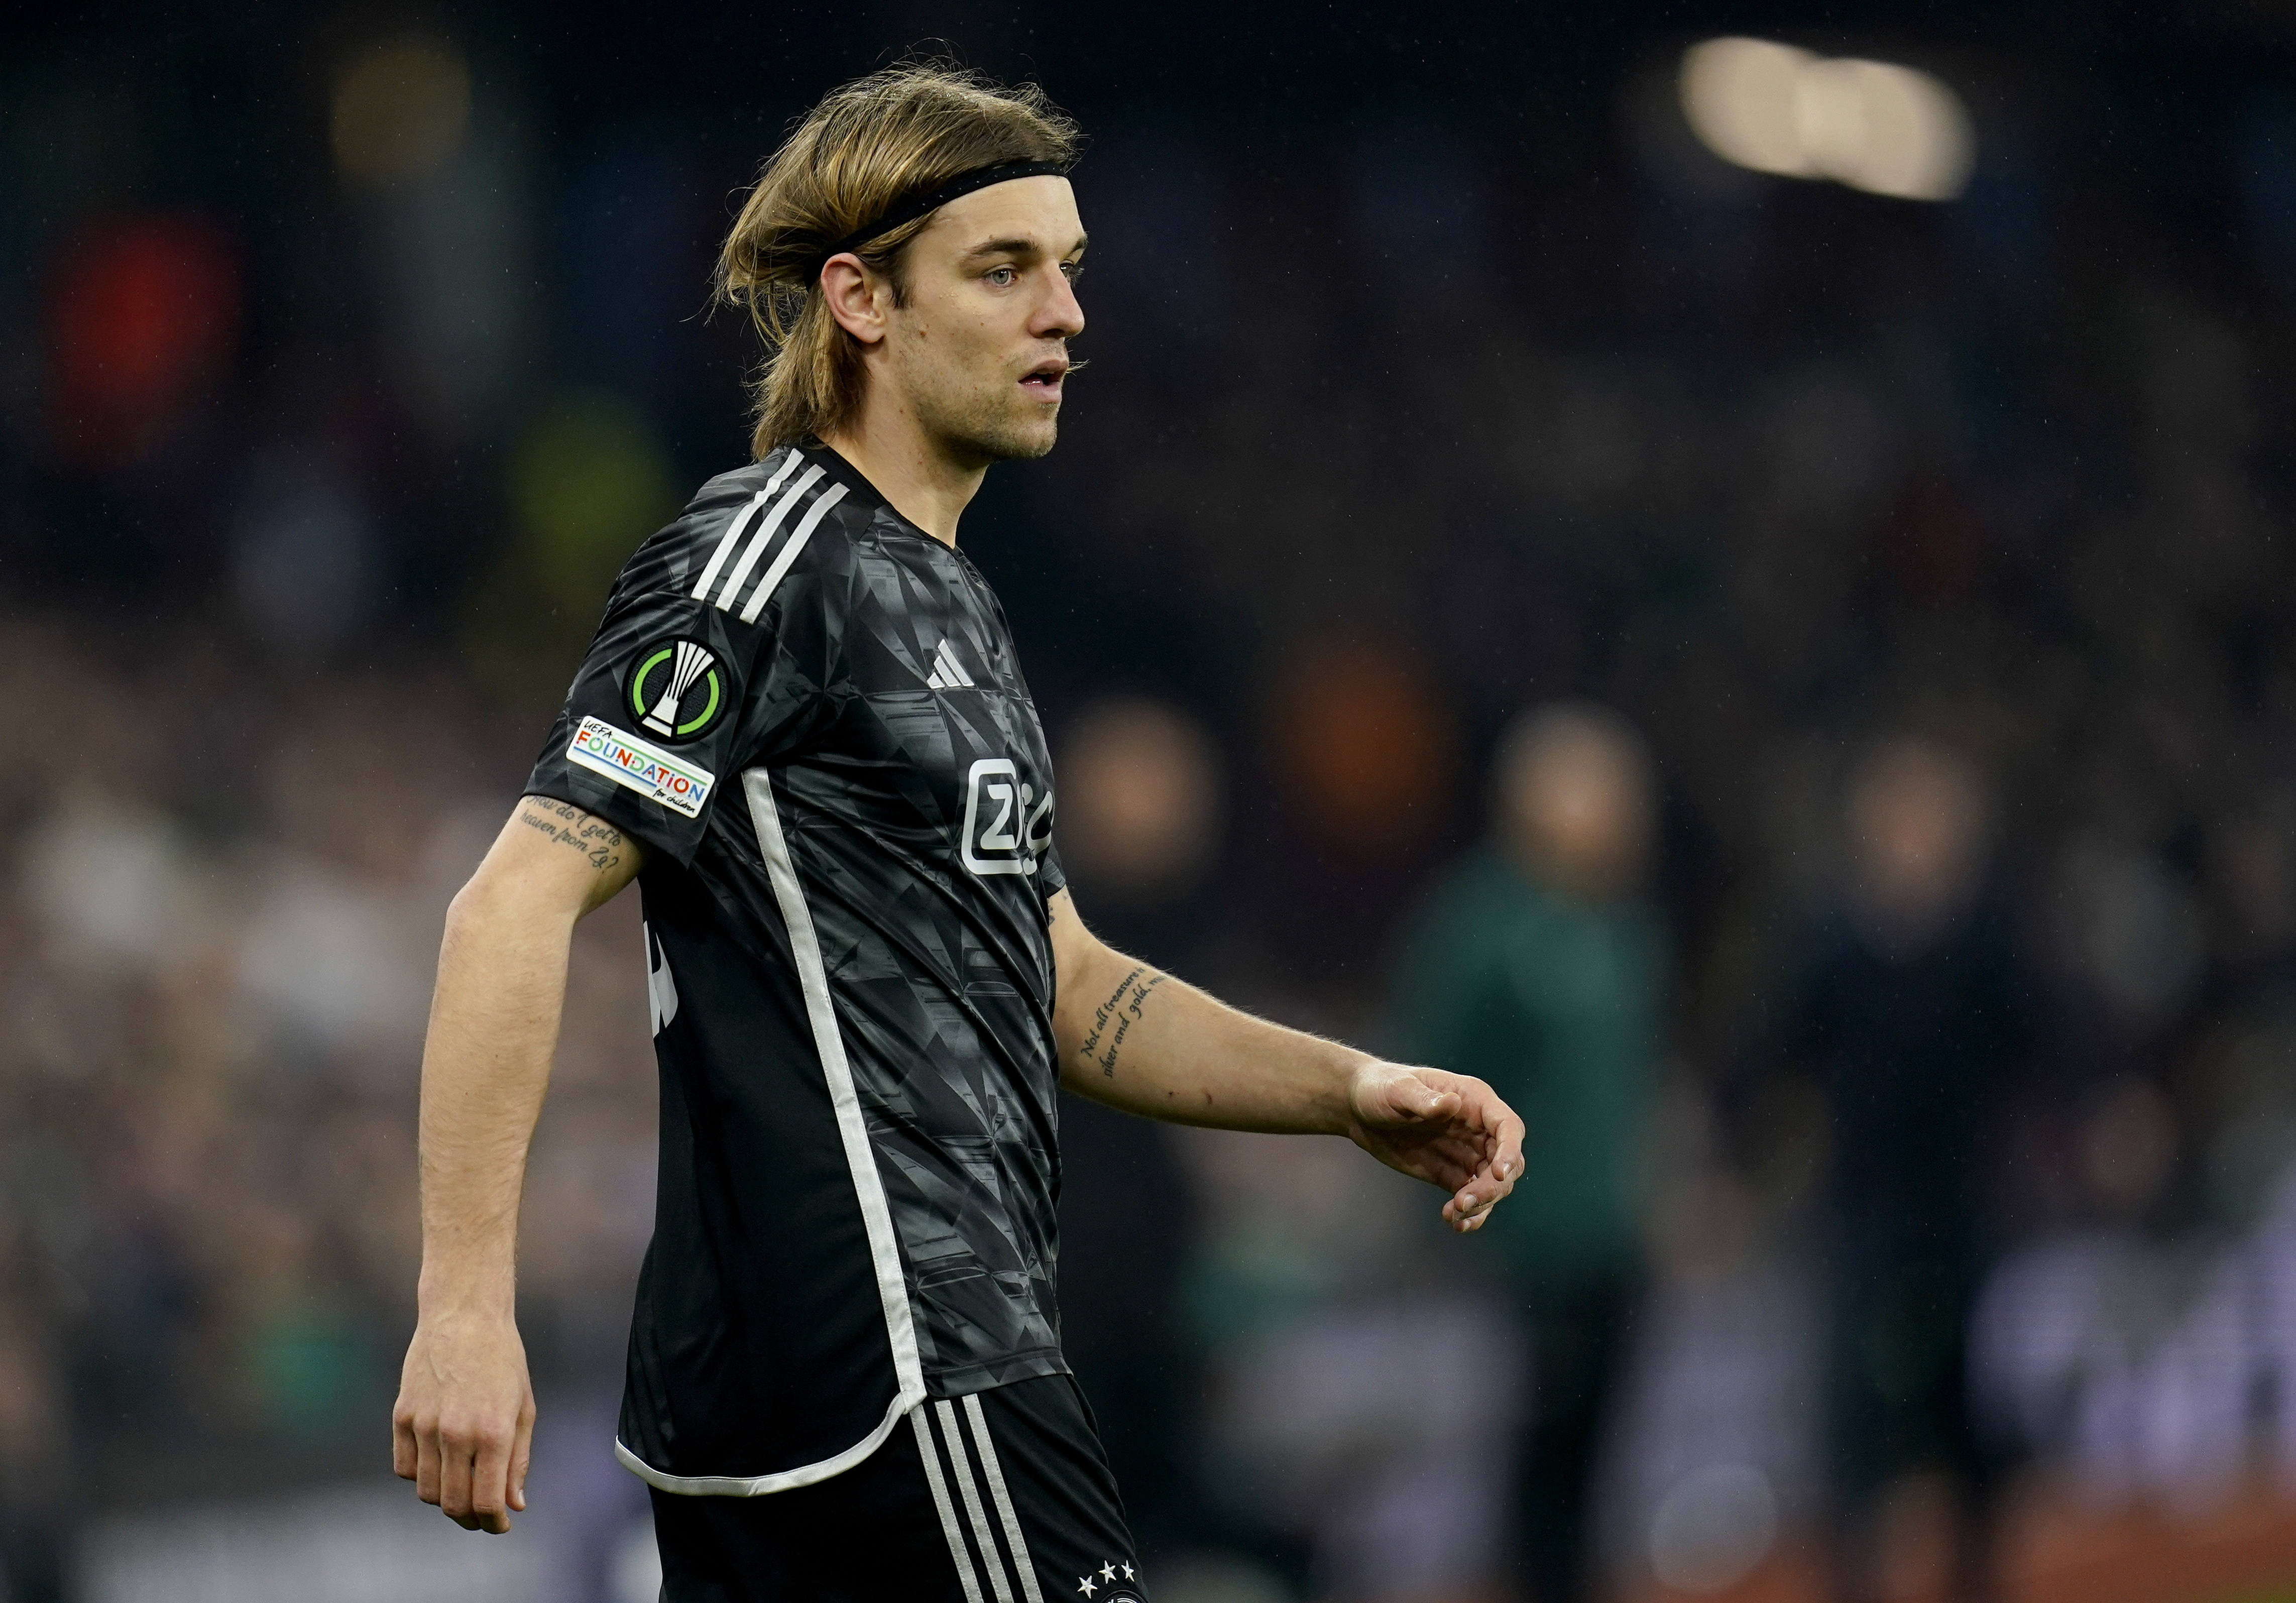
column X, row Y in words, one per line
column 980, row 422
column 986, row 427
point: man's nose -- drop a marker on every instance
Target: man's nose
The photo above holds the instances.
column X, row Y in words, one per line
column 1059, row 315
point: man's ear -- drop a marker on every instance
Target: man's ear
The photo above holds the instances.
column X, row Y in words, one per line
column 856, row 296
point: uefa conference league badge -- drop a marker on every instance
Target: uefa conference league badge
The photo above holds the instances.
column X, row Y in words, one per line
column 675, row 689
column 677, row 694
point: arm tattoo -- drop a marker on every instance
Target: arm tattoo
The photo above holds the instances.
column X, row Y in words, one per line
column 1113, row 1019
column 570, row 826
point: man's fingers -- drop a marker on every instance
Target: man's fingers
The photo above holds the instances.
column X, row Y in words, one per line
column 1453, row 1163
column 1461, row 1221
column 1497, row 1177
column 1483, row 1191
column 1472, row 1204
column 490, row 1485
column 522, row 1455
column 457, row 1454
column 1441, row 1158
column 1411, row 1101
column 1472, row 1158
column 1508, row 1165
column 463, row 1422
column 1453, row 1131
column 1474, row 1201
column 428, row 1458
column 1466, row 1218
column 1494, row 1121
column 1432, row 1103
column 1451, row 1176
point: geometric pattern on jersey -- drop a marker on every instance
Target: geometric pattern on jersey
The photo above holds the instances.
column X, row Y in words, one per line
column 859, row 1087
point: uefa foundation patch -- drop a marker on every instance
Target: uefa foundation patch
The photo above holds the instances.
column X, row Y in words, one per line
column 641, row 766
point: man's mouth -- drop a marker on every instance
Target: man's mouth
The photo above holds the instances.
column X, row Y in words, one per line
column 1044, row 380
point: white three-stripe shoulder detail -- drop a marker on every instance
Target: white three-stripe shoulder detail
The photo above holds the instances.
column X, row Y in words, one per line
column 732, row 534
column 756, row 548
column 795, row 543
column 741, row 520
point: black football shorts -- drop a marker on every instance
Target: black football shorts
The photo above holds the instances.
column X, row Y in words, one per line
column 1003, row 1496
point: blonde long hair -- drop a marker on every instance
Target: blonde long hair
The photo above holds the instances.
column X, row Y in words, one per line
column 892, row 134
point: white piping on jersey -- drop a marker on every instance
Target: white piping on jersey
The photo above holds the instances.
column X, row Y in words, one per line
column 762, row 1485
column 764, row 536
column 939, row 1485
column 995, row 1473
column 795, row 543
column 860, row 1159
column 971, row 1494
column 860, row 1156
column 742, row 520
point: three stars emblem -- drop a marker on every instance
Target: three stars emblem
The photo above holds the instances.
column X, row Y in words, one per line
column 1086, row 1584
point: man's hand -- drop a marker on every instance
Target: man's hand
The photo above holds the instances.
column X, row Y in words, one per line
column 1448, row 1129
column 464, row 1428
column 465, row 1422
column 1142, row 1042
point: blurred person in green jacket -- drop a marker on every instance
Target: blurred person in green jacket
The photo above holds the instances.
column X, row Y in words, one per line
column 1538, row 965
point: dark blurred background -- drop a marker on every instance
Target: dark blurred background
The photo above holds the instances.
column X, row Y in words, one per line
column 1787, row 672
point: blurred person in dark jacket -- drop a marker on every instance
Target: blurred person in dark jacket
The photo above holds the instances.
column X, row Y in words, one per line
column 1538, row 963
column 1908, row 1023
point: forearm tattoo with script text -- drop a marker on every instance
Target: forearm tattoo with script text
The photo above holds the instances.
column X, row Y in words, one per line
column 570, row 826
column 1113, row 1019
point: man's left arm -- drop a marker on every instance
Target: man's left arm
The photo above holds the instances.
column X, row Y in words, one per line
column 1139, row 1039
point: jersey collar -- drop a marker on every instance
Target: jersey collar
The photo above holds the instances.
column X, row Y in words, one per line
column 860, row 490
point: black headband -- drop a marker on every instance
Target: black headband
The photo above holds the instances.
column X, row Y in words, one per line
column 910, row 207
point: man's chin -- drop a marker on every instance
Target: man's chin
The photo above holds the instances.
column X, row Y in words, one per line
column 992, row 430
column 1037, row 443
column 1012, row 442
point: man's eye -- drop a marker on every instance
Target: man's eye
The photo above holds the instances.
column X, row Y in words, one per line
column 1072, row 270
column 1003, row 277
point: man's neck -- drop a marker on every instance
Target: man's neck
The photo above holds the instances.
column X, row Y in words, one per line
column 891, row 449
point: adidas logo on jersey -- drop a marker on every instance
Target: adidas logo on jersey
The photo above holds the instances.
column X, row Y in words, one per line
column 948, row 673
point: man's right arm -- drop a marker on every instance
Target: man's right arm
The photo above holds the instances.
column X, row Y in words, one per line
column 464, row 1420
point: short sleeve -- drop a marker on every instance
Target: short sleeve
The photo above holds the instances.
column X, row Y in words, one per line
column 1051, row 879
column 713, row 656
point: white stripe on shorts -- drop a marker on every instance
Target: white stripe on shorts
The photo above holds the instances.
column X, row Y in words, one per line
column 947, row 1412
column 994, row 1471
column 964, row 1571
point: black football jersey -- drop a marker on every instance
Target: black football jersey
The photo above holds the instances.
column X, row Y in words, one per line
column 810, row 712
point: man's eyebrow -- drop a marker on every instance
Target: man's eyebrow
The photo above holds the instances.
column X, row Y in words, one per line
column 1020, row 245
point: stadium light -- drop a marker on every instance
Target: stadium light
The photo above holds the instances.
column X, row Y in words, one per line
column 1886, row 129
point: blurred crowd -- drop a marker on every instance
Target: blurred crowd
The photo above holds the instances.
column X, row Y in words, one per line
column 1794, row 687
